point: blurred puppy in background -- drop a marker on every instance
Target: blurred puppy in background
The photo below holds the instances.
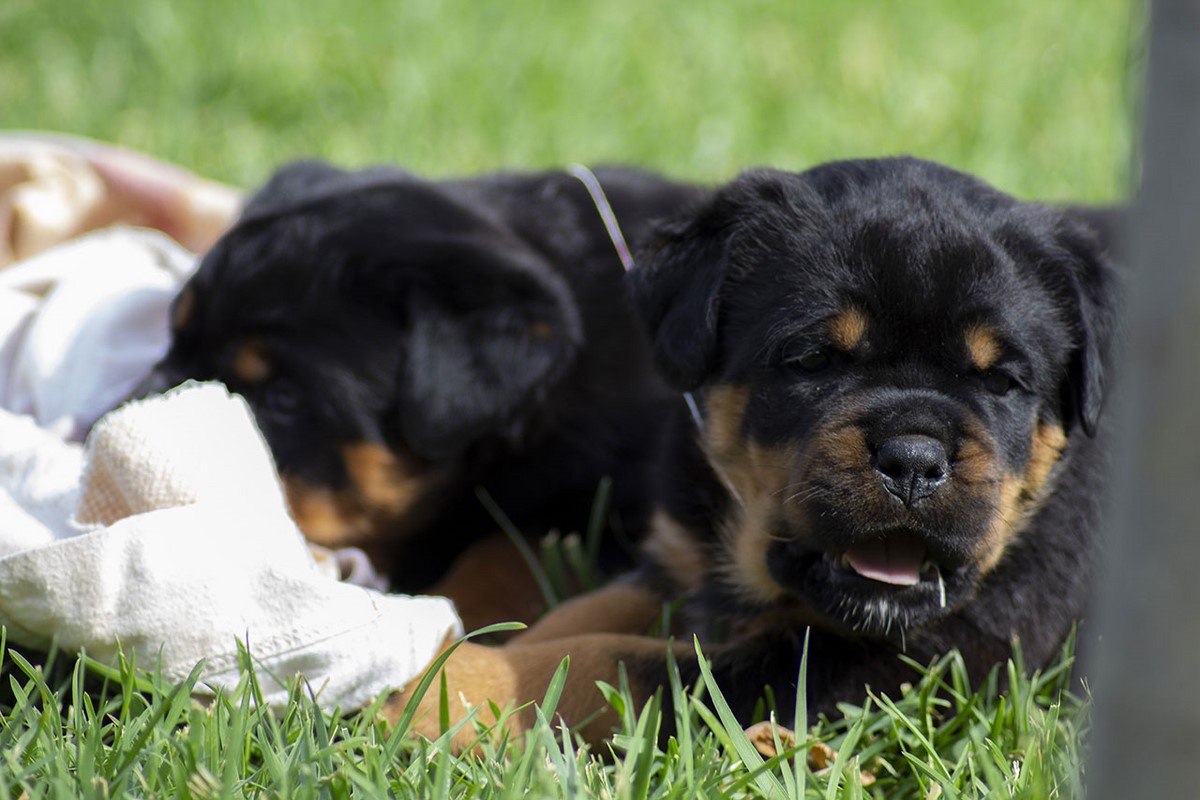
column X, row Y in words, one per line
column 404, row 341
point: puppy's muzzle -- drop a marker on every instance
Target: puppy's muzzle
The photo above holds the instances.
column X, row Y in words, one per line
column 912, row 467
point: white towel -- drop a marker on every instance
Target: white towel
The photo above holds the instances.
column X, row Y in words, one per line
column 169, row 534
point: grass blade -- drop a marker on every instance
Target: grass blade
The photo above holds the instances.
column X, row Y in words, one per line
column 767, row 783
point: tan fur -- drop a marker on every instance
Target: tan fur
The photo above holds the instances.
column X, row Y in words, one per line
column 673, row 546
column 760, row 476
column 1021, row 495
column 326, row 517
column 754, row 470
column 616, row 608
column 517, row 675
column 474, row 675
column 1005, row 527
column 726, row 406
column 747, row 538
column 847, row 329
column 983, row 346
column 184, row 306
column 250, row 363
column 975, row 462
column 382, row 489
column 382, row 481
column 842, row 447
column 490, row 582
column 1049, row 441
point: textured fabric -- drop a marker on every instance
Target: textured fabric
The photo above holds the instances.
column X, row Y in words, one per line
column 180, row 547
column 81, row 324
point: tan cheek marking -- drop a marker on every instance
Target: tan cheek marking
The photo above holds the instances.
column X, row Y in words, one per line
column 250, row 363
column 326, row 517
column 975, row 463
column 1021, row 495
column 382, row 481
column 184, row 305
column 674, row 547
column 382, row 490
column 838, row 458
column 983, row 346
column 754, row 470
column 847, row 329
column 760, row 475
column 1049, row 441
column 1006, row 524
column 748, row 536
column 842, row 448
column 726, row 406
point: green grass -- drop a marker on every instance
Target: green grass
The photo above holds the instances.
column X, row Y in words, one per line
column 1035, row 96
column 134, row 735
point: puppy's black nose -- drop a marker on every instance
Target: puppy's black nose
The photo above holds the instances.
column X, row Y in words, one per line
column 912, row 467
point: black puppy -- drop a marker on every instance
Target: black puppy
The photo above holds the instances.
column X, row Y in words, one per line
column 900, row 372
column 402, row 342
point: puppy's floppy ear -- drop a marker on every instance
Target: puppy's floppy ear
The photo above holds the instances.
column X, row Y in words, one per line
column 676, row 284
column 490, row 331
column 1094, row 284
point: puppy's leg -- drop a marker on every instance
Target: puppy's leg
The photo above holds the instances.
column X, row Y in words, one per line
column 516, row 675
column 490, row 582
column 617, row 608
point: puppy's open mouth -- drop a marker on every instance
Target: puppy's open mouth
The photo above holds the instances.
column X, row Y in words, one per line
column 894, row 577
column 900, row 558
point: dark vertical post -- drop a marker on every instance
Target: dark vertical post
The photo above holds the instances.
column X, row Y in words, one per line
column 1147, row 679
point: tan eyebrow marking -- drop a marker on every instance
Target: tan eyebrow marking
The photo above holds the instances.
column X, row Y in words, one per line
column 251, row 364
column 983, row 346
column 847, row 328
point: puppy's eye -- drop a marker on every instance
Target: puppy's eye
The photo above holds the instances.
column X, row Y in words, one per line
column 997, row 383
column 281, row 400
column 810, row 361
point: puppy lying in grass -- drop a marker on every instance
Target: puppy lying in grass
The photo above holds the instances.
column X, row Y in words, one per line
column 403, row 342
column 899, row 373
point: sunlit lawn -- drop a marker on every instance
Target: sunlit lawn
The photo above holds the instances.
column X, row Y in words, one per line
column 1035, row 96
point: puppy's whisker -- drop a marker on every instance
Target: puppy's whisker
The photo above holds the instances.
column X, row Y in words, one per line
column 801, row 497
column 799, row 490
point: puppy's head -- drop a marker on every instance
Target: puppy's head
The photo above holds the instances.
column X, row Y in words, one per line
column 892, row 359
column 380, row 330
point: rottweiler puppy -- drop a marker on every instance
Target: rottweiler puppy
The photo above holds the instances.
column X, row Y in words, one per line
column 899, row 373
column 404, row 341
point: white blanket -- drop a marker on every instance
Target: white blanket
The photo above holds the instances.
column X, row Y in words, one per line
column 168, row 535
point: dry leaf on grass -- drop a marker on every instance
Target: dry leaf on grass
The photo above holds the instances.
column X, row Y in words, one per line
column 819, row 756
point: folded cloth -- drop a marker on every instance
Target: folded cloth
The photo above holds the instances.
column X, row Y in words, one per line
column 168, row 536
column 181, row 546
column 82, row 323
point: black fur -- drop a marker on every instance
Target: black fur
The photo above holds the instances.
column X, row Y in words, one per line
column 736, row 295
column 477, row 330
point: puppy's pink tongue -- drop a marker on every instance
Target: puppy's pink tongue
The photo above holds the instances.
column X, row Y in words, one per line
column 893, row 559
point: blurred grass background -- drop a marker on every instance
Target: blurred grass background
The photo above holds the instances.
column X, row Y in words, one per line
column 1037, row 96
